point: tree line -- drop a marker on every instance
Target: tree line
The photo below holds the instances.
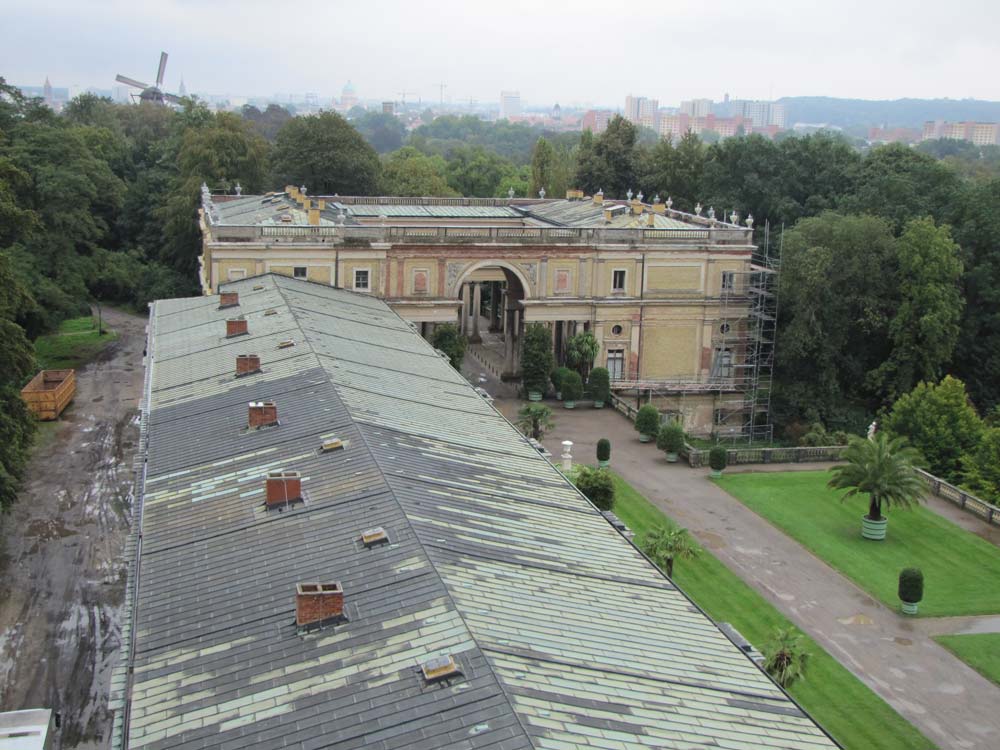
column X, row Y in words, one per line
column 890, row 269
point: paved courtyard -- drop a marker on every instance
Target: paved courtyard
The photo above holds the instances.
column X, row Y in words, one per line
column 949, row 702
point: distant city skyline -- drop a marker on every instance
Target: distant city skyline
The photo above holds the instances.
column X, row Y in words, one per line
column 576, row 53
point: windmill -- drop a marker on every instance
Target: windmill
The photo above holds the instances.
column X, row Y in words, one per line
column 149, row 93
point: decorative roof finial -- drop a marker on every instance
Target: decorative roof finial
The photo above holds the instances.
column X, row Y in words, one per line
column 697, row 209
column 510, row 194
column 711, row 213
column 541, row 193
column 239, row 189
column 302, row 190
column 639, row 197
column 629, row 193
column 670, row 202
column 749, row 221
column 734, row 218
column 656, row 198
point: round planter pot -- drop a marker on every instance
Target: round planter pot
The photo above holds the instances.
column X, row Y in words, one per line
column 603, row 464
column 534, row 396
column 598, row 404
column 874, row 530
column 715, row 473
column 909, row 608
column 644, row 438
column 569, row 404
column 671, row 458
column 558, row 395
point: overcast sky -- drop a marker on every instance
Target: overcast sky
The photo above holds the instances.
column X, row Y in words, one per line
column 570, row 52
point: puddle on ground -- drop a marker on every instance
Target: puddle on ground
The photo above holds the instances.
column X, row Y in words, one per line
column 903, row 641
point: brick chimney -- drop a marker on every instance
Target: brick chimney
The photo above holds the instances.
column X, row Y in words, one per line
column 283, row 487
column 228, row 299
column 236, row 327
column 316, row 603
column 599, row 198
column 262, row 414
column 247, row 364
column 650, row 220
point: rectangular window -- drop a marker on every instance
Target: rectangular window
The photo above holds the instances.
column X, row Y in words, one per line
column 616, row 364
column 361, row 279
column 299, row 272
column 618, row 281
column 562, row 281
column 728, row 281
column 724, row 363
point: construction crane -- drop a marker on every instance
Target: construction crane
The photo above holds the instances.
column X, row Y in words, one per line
column 441, row 87
column 155, row 93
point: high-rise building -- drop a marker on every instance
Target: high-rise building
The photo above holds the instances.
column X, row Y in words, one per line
column 596, row 120
column 510, row 104
column 642, row 111
column 760, row 113
column 697, row 107
column 979, row 133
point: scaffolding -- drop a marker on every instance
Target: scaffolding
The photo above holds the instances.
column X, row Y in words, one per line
column 742, row 362
column 743, row 349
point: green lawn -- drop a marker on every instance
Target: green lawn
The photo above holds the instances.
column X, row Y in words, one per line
column 839, row 701
column 960, row 569
column 73, row 345
column 979, row 651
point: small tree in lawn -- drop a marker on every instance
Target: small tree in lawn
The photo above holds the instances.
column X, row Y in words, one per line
column 670, row 439
column 911, row 589
column 600, row 386
column 885, row 470
column 448, row 339
column 536, row 358
column 535, row 420
column 718, row 457
column 785, row 657
column 581, row 350
column 597, row 485
column 663, row 545
column 647, row 423
column 603, row 452
column 572, row 389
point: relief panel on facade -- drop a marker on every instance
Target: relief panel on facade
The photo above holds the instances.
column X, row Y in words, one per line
column 674, row 278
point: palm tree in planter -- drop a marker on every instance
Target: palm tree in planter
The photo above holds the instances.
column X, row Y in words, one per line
column 581, row 350
column 535, row 420
column 600, row 386
column 647, row 422
column 572, row 389
column 670, row 440
column 664, row 544
column 718, row 457
column 603, row 453
column 885, row 470
column 786, row 660
column 536, row 360
column 911, row 589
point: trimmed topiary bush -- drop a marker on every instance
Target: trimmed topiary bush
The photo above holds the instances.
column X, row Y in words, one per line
column 718, row 457
column 647, row 423
column 558, row 376
column 572, row 388
column 911, row 585
column 603, row 452
column 670, row 440
column 600, row 386
column 597, row 485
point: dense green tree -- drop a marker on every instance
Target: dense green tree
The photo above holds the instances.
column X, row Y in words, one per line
column 327, row 155
column 408, row 172
column 596, row 485
column 269, row 122
column 677, row 172
column 383, row 131
column 536, row 357
column 448, row 339
column 543, row 167
column 609, row 162
column 939, row 421
column 981, row 468
column 901, row 184
column 924, row 327
column 977, row 351
column 475, row 172
column 837, row 298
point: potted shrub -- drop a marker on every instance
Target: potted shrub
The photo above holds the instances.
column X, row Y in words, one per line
column 670, row 440
column 718, row 457
column 647, row 422
column 883, row 469
column 572, row 389
column 536, row 360
column 558, row 376
column 600, row 386
column 603, row 453
column 911, row 589
column 597, row 486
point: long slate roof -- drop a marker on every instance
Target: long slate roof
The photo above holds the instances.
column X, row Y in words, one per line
column 566, row 636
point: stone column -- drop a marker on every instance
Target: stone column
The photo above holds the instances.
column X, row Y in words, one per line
column 477, row 305
column 508, row 342
column 463, row 325
column 494, row 306
column 503, row 307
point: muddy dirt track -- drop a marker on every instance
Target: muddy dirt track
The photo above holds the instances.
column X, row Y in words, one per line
column 62, row 576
